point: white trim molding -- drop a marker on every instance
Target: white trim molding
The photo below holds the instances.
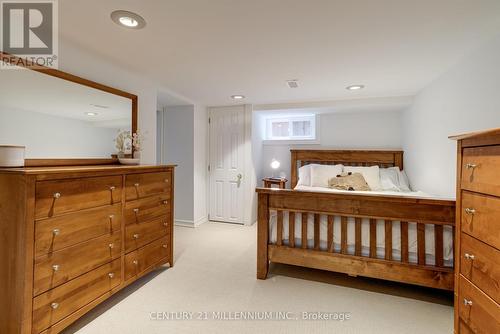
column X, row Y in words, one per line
column 191, row 223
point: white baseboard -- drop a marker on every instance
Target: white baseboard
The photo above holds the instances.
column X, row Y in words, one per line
column 191, row 223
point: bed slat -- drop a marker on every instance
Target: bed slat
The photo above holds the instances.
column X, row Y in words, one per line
column 438, row 237
column 388, row 240
column 357, row 237
column 330, row 233
column 304, row 230
column 279, row 229
column 421, row 243
column 373, row 238
column 404, row 242
column 343, row 235
column 316, row 231
column 291, row 229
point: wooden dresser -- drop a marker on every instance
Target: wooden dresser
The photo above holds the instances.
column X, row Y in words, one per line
column 70, row 237
column 477, row 252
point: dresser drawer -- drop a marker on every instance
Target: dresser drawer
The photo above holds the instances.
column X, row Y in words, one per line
column 147, row 209
column 138, row 235
column 146, row 257
column 480, row 264
column 143, row 185
column 59, row 267
column 52, row 306
column 481, row 217
column 480, row 168
column 53, row 234
column 61, row 196
column 463, row 329
column 479, row 312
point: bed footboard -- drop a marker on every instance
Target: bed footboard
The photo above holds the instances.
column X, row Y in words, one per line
column 390, row 209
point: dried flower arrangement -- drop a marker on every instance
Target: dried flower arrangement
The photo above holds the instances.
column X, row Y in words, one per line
column 125, row 140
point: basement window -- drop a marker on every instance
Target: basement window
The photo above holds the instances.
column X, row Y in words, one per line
column 291, row 129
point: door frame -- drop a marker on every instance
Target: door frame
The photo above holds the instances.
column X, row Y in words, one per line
column 249, row 179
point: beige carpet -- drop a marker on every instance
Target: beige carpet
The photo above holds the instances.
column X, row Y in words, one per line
column 215, row 272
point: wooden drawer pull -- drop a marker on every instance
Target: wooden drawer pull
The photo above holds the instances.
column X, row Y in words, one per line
column 57, row 195
column 469, row 256
column 56, row 231
column 54, row 305
column 111, row 275
column 470, row 211
column 467, row 302
column 55, row 267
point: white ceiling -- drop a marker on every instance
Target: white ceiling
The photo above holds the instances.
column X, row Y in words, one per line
column 208, row 50
column 61, row 98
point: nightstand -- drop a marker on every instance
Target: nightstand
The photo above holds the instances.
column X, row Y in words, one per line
column 270, row 181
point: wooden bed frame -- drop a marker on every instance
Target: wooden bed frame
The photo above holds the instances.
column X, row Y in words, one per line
column 406, row 210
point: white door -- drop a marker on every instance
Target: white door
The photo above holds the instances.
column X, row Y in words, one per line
column 227, row 164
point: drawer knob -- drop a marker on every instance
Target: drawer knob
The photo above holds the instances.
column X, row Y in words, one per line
column 54, row 305
column 111, row 246
column 111, row 217
column 467, row 302
column 136, row 185
column 165, row 246
column 136, row 210
column 165, row 202
column 165, row 224
column 56, row 231
column 136, row 262
column 469, row 256
column 136, row 236
column 55, row 267
column 470, row 166
column 57, row 195
column 111, row 275
column 470, row 211
column 166, row 180
column 112, row 188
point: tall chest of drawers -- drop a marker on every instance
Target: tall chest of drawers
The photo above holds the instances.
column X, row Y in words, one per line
column 477, row 252
column 70, row 237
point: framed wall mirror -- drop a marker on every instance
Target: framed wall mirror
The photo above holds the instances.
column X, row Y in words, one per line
column 61, row 118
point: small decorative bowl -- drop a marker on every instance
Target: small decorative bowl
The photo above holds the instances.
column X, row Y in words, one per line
column 129, row 161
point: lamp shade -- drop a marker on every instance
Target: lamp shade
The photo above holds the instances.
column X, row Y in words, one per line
column 275, row 164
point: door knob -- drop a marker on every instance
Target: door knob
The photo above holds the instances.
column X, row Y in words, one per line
column 239, row 177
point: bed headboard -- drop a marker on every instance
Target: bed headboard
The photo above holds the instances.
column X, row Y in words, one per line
column 344, row 157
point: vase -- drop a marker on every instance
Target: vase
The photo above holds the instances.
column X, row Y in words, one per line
column 137, row 154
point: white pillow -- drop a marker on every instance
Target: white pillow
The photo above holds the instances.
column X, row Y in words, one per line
column 320, row 174
column 389, row 179
column 404, row 183
column 304, row 176
column 371, row 175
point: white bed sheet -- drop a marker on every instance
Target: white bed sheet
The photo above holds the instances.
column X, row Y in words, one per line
column 365, row 231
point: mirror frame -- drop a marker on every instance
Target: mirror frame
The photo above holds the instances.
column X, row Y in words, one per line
column 18, row 61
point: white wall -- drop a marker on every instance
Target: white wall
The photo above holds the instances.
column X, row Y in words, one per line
column 78, row 61
column 353, row 130
column 49, row 136
column 466, row 98
column 200, row 160
column 178, row 142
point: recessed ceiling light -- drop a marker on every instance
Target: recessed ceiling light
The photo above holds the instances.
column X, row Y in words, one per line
column 128, row 19
column 91, row 114
column 237, row 97
column 355, row 87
